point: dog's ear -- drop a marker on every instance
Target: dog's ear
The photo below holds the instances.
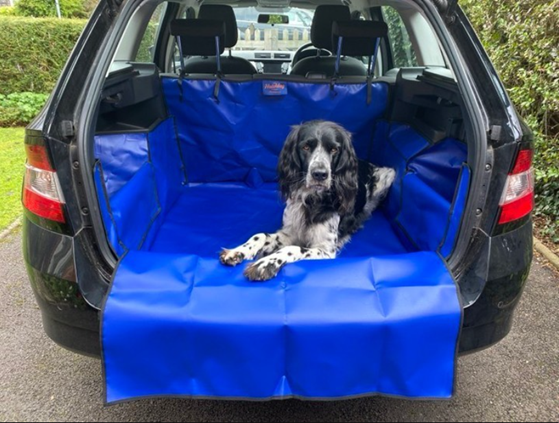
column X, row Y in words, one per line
column 289, row 164
column 345, row 176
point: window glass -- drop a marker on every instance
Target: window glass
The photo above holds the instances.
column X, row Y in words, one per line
column 272, row 37
column 403, row 54
column 147, row 45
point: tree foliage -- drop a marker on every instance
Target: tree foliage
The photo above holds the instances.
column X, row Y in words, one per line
column 522, row 39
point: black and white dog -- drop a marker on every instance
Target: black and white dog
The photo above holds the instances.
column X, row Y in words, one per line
column 329, row 194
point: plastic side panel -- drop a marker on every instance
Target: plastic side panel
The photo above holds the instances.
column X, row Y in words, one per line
column 456, row 212
column 121, row 155
column 225, row 140
column 135, row 206
column 183, row 325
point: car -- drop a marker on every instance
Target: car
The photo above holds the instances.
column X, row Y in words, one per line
column 139, row 171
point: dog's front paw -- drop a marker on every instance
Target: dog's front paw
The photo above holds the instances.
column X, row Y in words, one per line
column 231, row 257
column 263, row 269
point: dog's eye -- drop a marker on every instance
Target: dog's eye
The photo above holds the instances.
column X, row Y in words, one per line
column 334, row 150
column 306, row 147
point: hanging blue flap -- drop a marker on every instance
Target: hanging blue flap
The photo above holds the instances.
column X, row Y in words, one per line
column 456, row 212
column 428, row 189
column 130, row 213
column 182, row 325
column 105, row 208
column 122, row 156
column 165, row 156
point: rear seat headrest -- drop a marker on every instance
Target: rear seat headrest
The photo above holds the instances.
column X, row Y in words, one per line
column 359, row 37
column 321, row 27
column 222, row 13
column 197, row 36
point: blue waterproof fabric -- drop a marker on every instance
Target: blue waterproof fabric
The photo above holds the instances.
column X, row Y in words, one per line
column 184, row 325
column 131, row 211
column 456, row 213
column 383, row 318
column 116, row 150
column 196, row 226
column 245, row 130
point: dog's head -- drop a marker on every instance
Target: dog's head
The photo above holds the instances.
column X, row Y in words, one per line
column 318, row 157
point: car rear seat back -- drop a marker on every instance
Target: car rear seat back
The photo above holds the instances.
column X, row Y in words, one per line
column 321, row 38
column 205, row 64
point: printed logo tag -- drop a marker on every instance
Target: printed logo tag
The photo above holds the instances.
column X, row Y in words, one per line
column 274, row 88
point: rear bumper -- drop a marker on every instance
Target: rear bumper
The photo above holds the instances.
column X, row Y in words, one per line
column 67, row 318
column 73, row 324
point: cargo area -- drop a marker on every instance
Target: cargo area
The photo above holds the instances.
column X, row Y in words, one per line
column 383, row 317
column 202, row 176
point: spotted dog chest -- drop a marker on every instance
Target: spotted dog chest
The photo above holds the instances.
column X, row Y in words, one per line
column 309, row 234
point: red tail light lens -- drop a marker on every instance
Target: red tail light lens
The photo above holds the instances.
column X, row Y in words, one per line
column 37, row 157
column 41, row 189
column 518, row 197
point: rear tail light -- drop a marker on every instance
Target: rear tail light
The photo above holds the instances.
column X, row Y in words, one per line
column 517, row 200
column 41, row 189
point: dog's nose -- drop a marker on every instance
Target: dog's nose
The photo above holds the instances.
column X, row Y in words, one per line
column 319, row 175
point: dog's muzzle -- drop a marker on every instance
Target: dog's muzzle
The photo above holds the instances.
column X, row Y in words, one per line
column 318, row 176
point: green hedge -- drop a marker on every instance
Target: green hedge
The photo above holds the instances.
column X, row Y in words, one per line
column 34, row 51
column 7, row 11
column 18, row 109
column 522, row 39
column 47, row 8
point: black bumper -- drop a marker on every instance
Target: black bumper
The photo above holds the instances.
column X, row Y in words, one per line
column 67, row 318
column 72, row 323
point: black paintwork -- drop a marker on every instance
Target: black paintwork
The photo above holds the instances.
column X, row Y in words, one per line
column 491, row 274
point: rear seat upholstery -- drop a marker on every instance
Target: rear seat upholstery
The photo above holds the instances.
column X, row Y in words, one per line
column 207, row 63
column 321, row 37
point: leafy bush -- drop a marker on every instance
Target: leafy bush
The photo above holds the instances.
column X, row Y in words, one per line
column 522, row 39
column 7, row 11
column 34, row 52
column 402, row 50
column 47, row 8
column 20, row 108
column 148, row 40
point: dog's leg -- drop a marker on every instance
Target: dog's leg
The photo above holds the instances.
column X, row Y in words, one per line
column 268, row 267
column 383, row 177
column 259, row 244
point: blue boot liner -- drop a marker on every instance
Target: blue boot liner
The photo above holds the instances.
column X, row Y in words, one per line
column 382, row 318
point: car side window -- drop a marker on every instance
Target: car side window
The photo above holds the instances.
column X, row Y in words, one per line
column 403, row 54
column 147, row 45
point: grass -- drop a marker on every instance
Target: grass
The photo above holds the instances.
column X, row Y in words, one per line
column 12, row 158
